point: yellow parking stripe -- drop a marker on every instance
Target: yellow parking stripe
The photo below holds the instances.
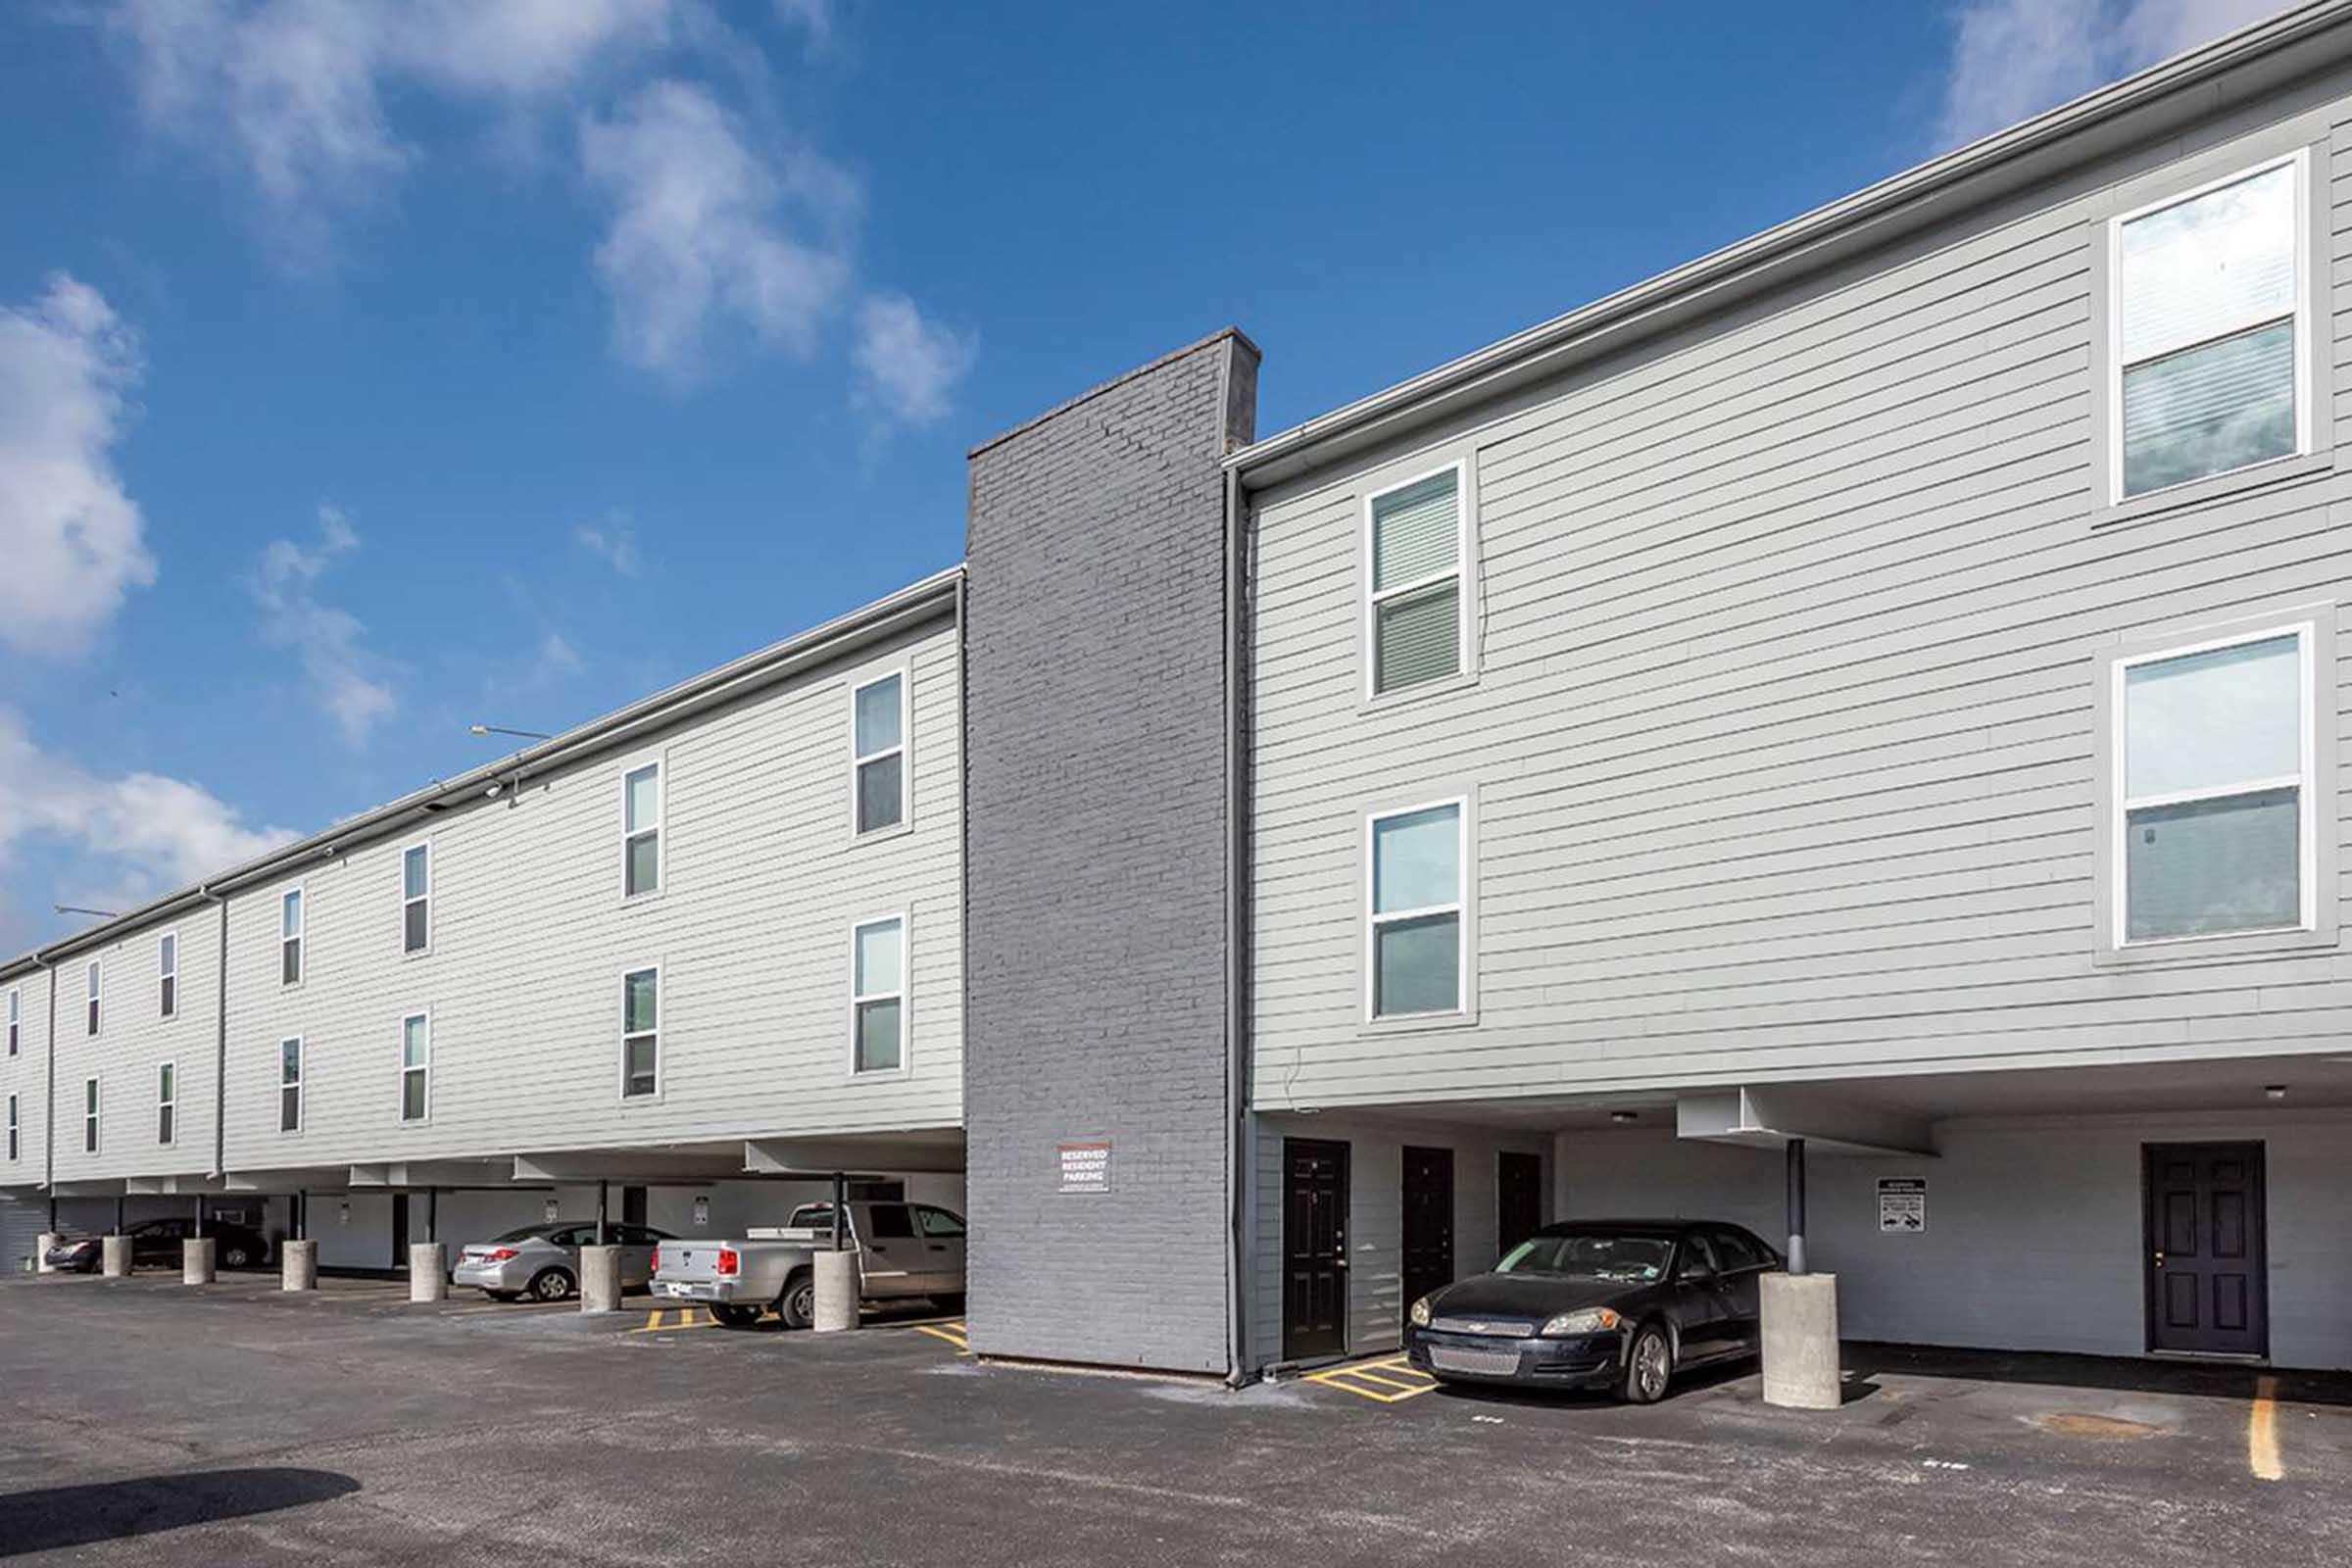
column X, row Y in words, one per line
column 956, row 1333
column 2262, row 1432
column 658, row 1320
column 1389, row 1381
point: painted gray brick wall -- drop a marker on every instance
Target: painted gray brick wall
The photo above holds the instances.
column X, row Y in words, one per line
column 1097, row 897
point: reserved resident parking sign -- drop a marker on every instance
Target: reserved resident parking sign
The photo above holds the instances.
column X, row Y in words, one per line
column 1086, row 1168
column 1903, row 1203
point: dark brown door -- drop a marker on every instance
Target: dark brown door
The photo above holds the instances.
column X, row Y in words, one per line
column 1314, row 1249
column 1518, row 1199
column 400, row 1230
column 2207, row 1276
column 632, row 1206
column 1427, row 1221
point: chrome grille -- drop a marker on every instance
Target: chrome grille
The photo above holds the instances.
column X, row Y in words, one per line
column 1497, row 1328
column 1448, row 1359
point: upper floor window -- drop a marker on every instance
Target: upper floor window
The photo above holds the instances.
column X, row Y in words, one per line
column 16, row 1021
column 89, row 1115
column 2214, row 805
column 1413, row 613
column 416, row 1066
column 166, row 1103
column 167, row 965
column 878, row 995
column 640, row 1032
column 416, row 898
column 290, row 922
column 1414, row 964
column 289, row 1085
column 14, row 1148
column 94, row 982
column 2209, row 329
column 641, row 830
column 878, row 711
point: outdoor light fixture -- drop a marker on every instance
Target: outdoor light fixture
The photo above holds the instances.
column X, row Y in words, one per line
column 2273, row 1092
column 500, row 729
column 76, row 909
column 1621, row 1117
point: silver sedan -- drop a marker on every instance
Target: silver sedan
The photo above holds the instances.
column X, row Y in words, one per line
column 543, row 1261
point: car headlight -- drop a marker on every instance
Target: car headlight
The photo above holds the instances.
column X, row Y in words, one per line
column 1420, row 1314
column 1591, row 1320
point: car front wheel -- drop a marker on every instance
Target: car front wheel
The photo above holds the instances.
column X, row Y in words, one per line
column 551, row 1284
column 1648, row 1366
column 234, row 1255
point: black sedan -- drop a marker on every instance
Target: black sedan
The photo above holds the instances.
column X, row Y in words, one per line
column 1616, row 1305
column 158, row 1242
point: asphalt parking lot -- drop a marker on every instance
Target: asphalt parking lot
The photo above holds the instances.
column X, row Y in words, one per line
column 234, row 1424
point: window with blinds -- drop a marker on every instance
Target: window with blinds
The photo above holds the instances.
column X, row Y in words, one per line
column 1415, row 606
column 2209, row 295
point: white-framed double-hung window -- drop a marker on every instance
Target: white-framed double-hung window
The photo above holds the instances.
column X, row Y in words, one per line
column 641, row 792
column 15, row 1020
column 878, row 754
column 1417, row 604
column 416, row 1067
column 417, row 899
column 166, row 1103
column 2215, row 816
column 167, row 969
column 289, row 1084
column 1416, row 927
column 2209, row 326
column 15, row 1148
column 292, row 919
column 878, row 995
column 89, row 1115
column 93, row 989
column 640, row 1032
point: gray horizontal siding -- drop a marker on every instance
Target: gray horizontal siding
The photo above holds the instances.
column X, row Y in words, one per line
column 1783, row 728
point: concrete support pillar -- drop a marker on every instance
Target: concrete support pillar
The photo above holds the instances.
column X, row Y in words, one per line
column 600, row 1279
column 40, row 1260
column 196, row 1255
column 836, row 1292
column 114, row 1256
column 299, row 1262
column 429, row 1275
column 1801, row 1341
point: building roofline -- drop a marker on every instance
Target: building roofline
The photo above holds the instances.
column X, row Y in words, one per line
column 911, row 606
column 1121, row 379
column 1785, row 246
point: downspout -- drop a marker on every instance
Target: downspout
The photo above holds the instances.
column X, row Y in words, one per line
column 1238, row 1139
column 221, row 1044
column 49, row 1108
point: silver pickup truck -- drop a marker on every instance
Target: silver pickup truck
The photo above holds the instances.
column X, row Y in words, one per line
column 902, row 1250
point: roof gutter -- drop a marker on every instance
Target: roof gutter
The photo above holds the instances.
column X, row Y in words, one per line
column 1876, row 212
column 911, row 606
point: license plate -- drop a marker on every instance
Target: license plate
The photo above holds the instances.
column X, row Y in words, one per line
column 1486, row 1363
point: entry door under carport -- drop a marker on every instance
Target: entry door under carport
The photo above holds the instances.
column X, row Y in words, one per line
column 1314, row 1249
column 2208, row 1277
column 1428, row 1222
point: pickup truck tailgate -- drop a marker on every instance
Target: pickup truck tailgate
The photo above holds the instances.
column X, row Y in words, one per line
column 687, row 1262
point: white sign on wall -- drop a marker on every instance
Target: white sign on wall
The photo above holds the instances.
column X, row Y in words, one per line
column 1903, row 1205
column 551, row 1211
column 702, row 1213
column 1085, row 1168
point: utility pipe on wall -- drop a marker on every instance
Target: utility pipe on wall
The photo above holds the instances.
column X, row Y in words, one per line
column 1797, row 1205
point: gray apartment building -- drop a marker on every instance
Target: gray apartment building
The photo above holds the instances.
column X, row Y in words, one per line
column 1875, row 686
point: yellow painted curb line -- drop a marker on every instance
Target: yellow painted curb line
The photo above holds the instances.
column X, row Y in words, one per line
column 2262, row 1432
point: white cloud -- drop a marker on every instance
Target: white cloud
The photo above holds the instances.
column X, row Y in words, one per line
column 908, row 368
column 345, row 679
column 145, row 831
column 72, row 539
column 553, row 663
column 814, row 17
column 293, row 90
column 613, row 541
column 706, row 232
column 2013, row 59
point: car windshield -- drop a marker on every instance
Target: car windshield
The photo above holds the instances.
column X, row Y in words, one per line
column 1592, row 1256
column 529, row 1233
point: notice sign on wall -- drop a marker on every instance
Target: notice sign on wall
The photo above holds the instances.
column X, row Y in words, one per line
column 1903, row 1203
column 702, row 1213
column 1085, row 1168
column 551, row 1211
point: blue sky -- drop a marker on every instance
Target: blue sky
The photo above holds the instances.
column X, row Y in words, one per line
column 368, row 369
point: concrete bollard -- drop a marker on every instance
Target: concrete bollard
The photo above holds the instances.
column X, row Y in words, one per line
column 114, row 1256
column 298, row 1262
column 40, row 1260
column 600, row 1279
column 1801, row 1341
column 196, row 1256
column 836, row 1292
column 429, row 1275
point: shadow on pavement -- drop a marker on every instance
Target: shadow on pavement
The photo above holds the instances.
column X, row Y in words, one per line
column 55, row 1517
column 2189, row 1379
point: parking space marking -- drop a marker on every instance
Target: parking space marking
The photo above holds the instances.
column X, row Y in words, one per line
column 956, row 1333
column 669, row 1320
column 1391, row 1381
column 2262, row 1432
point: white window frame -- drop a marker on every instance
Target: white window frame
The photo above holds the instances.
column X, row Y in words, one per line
column 93, row 1109
column 400, row 1082
column 300, row 893
column 401, row 870
column 93, row 1010
column 300, row 1085
column 659, row 762
column 899, row 671
column 16, row 1146
column 2121, row 803
column 167, row 971
column 16, row 1019
column 164, row 1102
column 1463, row 1009
column 1464, row 599
column 622, row 1087
column 904, row 994
column 2300, row 159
